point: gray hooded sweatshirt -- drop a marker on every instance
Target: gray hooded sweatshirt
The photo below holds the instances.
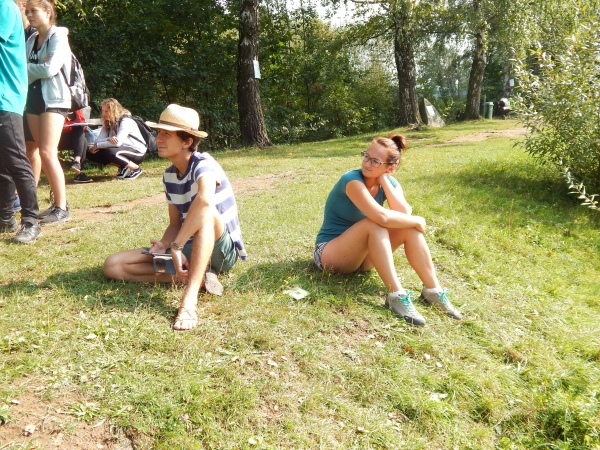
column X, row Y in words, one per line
column 55, row 90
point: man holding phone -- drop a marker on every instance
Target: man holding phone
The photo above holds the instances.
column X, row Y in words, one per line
column 203, row 228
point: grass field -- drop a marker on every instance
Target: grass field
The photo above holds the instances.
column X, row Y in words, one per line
column 94, row 363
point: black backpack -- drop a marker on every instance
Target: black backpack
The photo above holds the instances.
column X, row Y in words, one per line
column 147, row 133
column 80, row 94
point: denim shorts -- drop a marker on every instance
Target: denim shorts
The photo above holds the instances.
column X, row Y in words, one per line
column 37, row 106
column 318, row 251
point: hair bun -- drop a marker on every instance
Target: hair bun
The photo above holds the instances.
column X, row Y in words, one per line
column 399, row 140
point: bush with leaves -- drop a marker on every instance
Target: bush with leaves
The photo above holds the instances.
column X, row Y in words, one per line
column 560, row 104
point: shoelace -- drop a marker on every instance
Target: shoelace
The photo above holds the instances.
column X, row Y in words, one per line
column 408, row 303
column 444, row 298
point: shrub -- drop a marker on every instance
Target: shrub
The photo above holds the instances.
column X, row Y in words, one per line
column 560, row 105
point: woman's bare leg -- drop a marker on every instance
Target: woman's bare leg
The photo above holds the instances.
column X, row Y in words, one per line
column 349, row 251
column 46, row 130
column 417, row 254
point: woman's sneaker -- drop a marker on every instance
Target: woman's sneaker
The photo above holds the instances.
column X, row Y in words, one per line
column 28, row 233
column 122, row 172
column 76, row 167
column 440, row 300
column 58, row 215
column 402, row 306
column 82, row 178
column 132, row 174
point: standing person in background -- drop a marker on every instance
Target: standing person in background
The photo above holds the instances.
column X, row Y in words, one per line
column 15, row 170
column 359, row 234
column 48, row 98
column 120, row 142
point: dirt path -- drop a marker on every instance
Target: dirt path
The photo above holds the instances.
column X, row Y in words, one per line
column 483, row 135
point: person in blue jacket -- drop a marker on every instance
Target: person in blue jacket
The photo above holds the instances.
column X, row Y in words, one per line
column 358, row 233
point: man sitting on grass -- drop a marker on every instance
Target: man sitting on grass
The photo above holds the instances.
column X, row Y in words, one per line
column 203, row 220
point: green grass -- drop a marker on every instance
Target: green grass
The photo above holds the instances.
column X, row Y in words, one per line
column 518, row 254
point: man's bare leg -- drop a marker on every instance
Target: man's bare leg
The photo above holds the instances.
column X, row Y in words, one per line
column 204, row 242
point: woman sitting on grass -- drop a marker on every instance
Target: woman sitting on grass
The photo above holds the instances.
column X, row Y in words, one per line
column 120, row 142
column 358, row 233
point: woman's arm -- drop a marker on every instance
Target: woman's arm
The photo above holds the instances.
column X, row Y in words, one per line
column 124, row 129
column 388, row 218
column 60, row 54
column 394, row 195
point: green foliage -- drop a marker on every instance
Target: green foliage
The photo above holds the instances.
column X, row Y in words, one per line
column 560, row 105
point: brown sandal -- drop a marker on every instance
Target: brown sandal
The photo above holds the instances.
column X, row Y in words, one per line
column 192, row 316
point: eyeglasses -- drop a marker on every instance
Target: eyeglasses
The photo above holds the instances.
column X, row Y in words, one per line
column 374, row 162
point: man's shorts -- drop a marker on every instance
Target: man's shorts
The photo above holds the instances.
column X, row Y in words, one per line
column 224, row 254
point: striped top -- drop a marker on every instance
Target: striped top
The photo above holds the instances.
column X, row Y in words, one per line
column 181, row 192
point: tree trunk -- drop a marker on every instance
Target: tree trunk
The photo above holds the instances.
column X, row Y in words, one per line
column 252, row 122
column 476, row 76
column 408, row 108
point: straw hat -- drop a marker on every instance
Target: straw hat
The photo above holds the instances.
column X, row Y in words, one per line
column 179, row 118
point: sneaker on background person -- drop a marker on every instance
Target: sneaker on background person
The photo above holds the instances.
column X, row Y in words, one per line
column 82, row 178
column 132, row 174
column 28, row 233
column 76, row 167
column 122, row 172
column 56, row 215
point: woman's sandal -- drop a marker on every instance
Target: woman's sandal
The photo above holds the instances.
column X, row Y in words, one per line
column 185, row 315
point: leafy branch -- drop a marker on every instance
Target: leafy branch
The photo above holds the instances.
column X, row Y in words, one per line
column 579, row 188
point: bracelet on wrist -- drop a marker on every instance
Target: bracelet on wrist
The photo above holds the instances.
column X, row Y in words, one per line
column 176, row 246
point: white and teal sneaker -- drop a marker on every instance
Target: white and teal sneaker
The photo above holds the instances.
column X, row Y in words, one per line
column 440, row 300
column 403, row 307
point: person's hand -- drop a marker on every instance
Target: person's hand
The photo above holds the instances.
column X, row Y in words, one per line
column 48, row 57
column 113, row 140
column 93, row 149
column 157, row 246
column 180, row 261
column 420, row 223
column 381, row 178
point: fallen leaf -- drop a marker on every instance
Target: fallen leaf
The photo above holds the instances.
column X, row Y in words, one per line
column 272, row 363
column 436, row 397
column 273, row 374
column 283, row 358
column 91, row 336
column 337, row 378
column 438, row 364
column 252, row 441
column 408, row 349
column 185, row 417
column 426, row 356
column 371, row 336
column 360, row 430
column 379, row 344
column 15, row 402
column 28, row 430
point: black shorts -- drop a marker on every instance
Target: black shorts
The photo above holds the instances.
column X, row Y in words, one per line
column 26, row 130
column 36, row 104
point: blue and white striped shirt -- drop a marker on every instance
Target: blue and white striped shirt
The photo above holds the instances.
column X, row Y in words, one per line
column 181, row 192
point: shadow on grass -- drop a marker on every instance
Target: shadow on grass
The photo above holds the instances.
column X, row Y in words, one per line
column 89, row 288
column 525, row 188
column 337, row 291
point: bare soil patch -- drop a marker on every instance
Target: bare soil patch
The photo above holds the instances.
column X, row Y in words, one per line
column 241, row 187
column 482, row 136
column 50, row 424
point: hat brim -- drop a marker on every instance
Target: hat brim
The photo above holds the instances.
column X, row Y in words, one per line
column 200, row 134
